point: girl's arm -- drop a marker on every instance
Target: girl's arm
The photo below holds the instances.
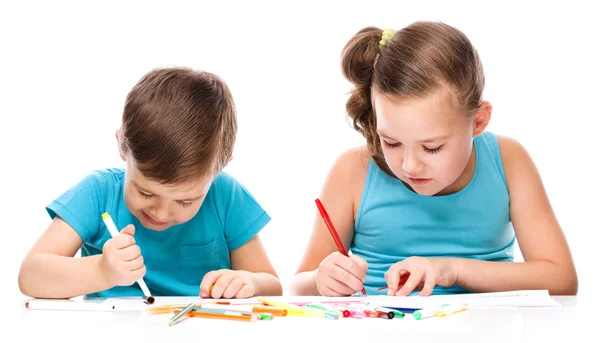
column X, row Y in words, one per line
column 342, row 186
column 548, row 261
column 50, row 271
column 251, row 261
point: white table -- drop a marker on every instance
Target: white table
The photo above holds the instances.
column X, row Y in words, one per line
column 501, row 325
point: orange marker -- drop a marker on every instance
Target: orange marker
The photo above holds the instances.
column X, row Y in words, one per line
column 243, row 318
column 276, row 311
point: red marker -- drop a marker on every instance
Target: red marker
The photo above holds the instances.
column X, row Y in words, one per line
column 333, row 232
column 403, row 279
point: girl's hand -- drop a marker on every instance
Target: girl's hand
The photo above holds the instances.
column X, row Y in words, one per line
column 339, row 275
column 226, row 283
column 425, row 274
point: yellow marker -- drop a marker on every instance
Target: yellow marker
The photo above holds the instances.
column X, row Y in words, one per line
column 292, row 310
column 444, row 310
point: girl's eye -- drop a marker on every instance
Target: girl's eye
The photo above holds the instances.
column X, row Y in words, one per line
column 434, row 150
column 391, row 145
column 145, row 196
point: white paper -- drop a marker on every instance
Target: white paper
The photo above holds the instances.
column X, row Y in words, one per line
column 512, row 299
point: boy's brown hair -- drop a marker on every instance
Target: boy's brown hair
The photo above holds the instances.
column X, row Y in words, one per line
column 414, row 62
column 179, row 125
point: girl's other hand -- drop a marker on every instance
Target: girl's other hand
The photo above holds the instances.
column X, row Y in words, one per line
column 425, row 274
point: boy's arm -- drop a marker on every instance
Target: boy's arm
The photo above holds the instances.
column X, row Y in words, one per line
column 548, row 261
column 251, row 260
column 50, row 271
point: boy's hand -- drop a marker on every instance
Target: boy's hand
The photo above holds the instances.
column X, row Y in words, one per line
column 425, row 274
column 122, row 262
column 339, row 275
column 226, row 283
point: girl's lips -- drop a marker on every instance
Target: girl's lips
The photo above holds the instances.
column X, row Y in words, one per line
column 418, row 181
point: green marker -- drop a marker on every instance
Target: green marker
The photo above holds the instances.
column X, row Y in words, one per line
column 178, row 316
column 264, row 316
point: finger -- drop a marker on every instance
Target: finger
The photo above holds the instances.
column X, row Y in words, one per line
column 135, row 263
column 245, row 292
column 233, row 288
column 221, row 285
column 208, row 281
column 392, row 277
column 331, row 292
column 123, row 241
column 428, row 284
column 140, row 272
column 340, row 287
column 128, row 230
column 361, row 265
column 342, row 275
column 129, row 253
column 410, row 284
column 348, row 264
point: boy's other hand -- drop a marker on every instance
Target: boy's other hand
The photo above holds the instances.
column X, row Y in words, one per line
column 226, row 283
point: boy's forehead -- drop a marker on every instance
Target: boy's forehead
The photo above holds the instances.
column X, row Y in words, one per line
column 193, row 185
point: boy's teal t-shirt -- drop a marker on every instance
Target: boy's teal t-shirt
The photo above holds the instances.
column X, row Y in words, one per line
column 176, row 259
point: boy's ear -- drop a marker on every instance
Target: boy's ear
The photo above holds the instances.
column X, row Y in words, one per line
column 482, row 118
column 118, row 136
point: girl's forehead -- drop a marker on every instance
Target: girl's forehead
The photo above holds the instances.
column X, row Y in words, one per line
column 427, row 115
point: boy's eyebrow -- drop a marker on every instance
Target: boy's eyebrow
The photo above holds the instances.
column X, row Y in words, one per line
column 428, row 140
column 147, row 191
column 140, row 188
column 193, row 199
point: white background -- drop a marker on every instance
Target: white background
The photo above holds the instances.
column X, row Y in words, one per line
column 67, row 67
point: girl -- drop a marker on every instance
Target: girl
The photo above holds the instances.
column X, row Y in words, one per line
column 434, row 202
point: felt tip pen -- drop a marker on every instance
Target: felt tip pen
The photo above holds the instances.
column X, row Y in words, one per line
column 444, row 310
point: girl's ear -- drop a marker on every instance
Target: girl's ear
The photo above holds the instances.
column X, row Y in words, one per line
column 482, row 118
column 117, row 135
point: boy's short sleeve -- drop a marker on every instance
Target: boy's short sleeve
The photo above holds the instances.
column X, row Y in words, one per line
column 80, row 206
column 244, row 217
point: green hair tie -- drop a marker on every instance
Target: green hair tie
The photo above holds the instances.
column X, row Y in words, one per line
column 386, row 36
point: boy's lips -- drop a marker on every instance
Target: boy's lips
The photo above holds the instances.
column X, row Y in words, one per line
column 151, row 220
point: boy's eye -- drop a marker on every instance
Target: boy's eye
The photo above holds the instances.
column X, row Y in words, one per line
column 432, row 151
column 184, row 204
column 391, row 145
column 144, row 195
